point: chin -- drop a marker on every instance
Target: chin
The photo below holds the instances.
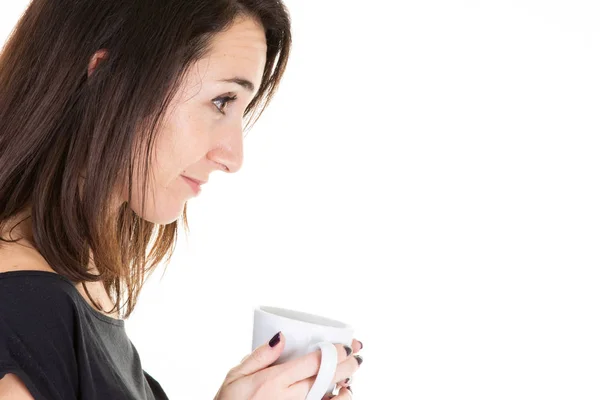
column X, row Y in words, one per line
column 162, row 215
column 163, row 220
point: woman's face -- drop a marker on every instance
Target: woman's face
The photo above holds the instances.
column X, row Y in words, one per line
column 203, row 125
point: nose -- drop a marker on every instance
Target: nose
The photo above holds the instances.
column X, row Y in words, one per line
column 229, row 151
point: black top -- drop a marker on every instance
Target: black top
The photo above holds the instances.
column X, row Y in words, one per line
column 61, row 347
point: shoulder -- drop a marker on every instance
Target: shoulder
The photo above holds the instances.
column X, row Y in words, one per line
column 32, row 295
column 36, row 308
column 38, row 332
column 38, row 327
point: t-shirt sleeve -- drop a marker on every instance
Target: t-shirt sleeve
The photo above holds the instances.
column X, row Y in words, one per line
column 37, row 337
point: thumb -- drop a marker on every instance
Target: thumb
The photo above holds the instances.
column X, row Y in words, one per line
column 263, row 356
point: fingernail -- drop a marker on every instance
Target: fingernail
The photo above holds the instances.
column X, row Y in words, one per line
column 361, row 345
column 348, row 350
column 349, row 389
column 347, row 380
column 359, row 359
column 273, row 342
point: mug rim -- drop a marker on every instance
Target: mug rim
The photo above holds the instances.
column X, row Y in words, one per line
column 329, row 323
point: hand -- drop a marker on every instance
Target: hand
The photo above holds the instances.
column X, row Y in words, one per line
column 254, row 378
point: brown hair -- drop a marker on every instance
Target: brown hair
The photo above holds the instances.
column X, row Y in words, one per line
column 57, row 124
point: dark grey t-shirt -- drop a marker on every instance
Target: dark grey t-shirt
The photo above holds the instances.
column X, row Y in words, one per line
column 61, row 347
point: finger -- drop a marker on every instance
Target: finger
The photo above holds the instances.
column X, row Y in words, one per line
column 347, row 368
column 301, row 368
column 345, row 394
column 356, row 346
column 346, row 382
column 262, row 357
column 342, row 395
column 331, row 395
column 344, row 370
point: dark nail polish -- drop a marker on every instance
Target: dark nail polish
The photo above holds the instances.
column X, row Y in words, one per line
column 347, row 380
column 359, row 359
column 361, row 345
column 273, row 342
column 350, row 389
column 348, row 350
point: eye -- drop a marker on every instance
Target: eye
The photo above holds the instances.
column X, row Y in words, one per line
column 222, row 101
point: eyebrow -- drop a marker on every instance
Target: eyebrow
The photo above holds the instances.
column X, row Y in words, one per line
column 245, row 83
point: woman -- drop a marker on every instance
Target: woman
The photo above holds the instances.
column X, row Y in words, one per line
column 112, row 114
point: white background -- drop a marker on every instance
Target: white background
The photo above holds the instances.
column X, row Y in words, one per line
column 428, row 173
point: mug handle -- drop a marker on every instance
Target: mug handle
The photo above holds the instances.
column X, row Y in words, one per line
column 326, row 372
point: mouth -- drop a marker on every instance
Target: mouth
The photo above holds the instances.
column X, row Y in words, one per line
column 193, row 183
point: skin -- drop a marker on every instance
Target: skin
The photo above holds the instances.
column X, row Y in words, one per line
column 255, row 379
column 202, row 133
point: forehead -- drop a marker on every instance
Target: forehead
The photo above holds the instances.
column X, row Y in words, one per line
column 238, row 51
column 245, row 34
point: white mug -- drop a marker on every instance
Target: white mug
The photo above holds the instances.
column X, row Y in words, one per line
column 304, row 333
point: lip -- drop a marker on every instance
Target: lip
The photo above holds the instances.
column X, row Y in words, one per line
column 194, row 183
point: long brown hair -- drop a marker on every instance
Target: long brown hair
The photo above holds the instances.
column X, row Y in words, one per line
column 56, row 123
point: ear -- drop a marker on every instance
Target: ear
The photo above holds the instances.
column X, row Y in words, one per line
column 98, row 56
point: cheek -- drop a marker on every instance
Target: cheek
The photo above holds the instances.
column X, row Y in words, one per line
column 167, row 192
column 184, row 141
column 163, row 203
column 175, row 150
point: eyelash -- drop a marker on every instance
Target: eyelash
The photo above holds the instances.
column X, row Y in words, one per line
column 225, row 100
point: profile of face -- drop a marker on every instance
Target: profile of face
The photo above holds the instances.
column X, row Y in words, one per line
column 203, row 127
